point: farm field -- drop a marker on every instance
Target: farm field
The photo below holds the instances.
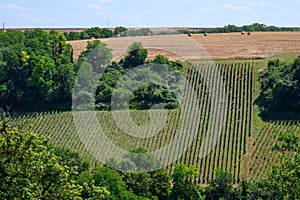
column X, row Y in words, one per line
column 228, row 152
column 260, row 148
column 243, row 144
column 239, row 149
column 218, row 46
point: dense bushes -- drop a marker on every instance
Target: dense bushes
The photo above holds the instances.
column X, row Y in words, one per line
column 37, row 73
column 97, row 32
column 154, row 86
column 94, row 32
column 36, row 70
column 255, row 27
column 280, row 89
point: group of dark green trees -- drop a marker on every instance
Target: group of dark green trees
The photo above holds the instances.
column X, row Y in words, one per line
column 96, row 32
column 36, row 70
column 280, row 84
column 32, row 168
column 255, row 27
column 37, row 73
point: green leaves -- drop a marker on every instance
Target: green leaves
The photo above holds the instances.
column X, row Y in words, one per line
column 183, row 188
column 284, row 179
column 36, row 68
column 29, row 169
column 280, row 89
column 136, row 56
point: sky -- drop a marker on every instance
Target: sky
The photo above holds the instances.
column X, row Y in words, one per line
column 147, row 13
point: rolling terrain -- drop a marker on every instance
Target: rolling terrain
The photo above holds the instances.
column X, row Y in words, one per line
column 228, row 151
column 239, row 149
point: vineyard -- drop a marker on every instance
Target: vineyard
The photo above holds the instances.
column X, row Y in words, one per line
column 261, row 154
column 234, row 150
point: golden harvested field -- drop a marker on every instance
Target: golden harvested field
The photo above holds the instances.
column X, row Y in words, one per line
column 226, row 45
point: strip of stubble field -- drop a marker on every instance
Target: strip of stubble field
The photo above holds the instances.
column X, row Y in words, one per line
column 178, row 47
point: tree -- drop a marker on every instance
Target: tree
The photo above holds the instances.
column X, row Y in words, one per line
column 72, row 159
column 139, row 183
column 13, row 77
column 139, row 32
column 183, row 188
column 92, row 192
column 83, row 35
column 160, row 59
column 136, row 56
column 161, row 185
column 138, row 177
column 36, row 69
column 280, row 90
column 120, row 30
column 96, row 54
column 29, row 168
column 221, row 187
column 284, row 178
column 97, row 32
column 151, row 94
column 106, row 178
column 72, row 35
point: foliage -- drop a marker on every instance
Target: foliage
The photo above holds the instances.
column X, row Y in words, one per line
column 183, row 188
column 72, row 159
column 29, row 168
column 120, row 30
column 284, row 178
column 221, row 187
column 149, row 94
column 161, row 185
column 92, row 192
column 36, row 69
column 255, row 27
column 110, row 179
column 37, row 73
column 152, row 94
column 138, row 32
column 96, row 54
column 140, row 177
column 94, row 32
column 280, row 88
column 73, row 35
column 136, row 56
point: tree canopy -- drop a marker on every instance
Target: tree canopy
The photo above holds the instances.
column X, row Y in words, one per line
column 36, row 70
column 29, row 168
column 280, row 89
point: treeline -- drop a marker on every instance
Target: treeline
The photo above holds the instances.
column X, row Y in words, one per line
column 255, row 27
column 280, row 95
column 97, row 32
column 37, row 73
column 31, row 168
column 151, row 82
column 36, row 70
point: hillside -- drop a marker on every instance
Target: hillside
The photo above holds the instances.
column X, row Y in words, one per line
column 229, row 144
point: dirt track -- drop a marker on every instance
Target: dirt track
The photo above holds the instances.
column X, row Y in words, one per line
column 229, row 45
